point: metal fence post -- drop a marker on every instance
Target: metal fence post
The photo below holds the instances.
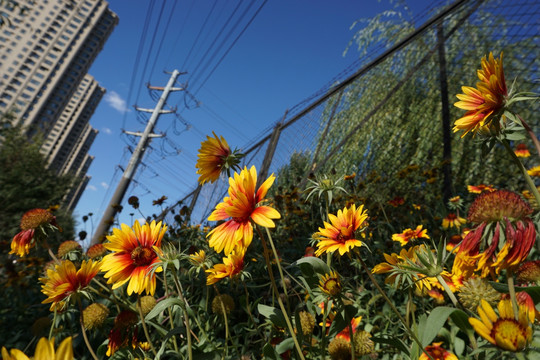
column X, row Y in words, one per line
column 445, row 114
column 270, row 150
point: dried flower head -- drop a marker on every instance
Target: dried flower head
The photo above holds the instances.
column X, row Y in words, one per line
column 476, row 289
column 67, row 247
column 223, row 301
column 339, row 349
column 363, row 345
column 34, row 224
column 94, row 315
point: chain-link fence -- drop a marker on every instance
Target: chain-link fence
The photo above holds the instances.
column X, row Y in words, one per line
column 393, row 109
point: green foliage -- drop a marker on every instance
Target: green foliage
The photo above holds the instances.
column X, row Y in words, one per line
column 22, row 189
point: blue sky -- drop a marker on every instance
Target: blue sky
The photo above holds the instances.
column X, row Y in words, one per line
column 291, row 49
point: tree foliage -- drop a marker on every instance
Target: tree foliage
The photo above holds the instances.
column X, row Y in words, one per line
column 25, row 184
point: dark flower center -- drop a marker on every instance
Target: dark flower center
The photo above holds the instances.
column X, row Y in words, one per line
column 142, row 256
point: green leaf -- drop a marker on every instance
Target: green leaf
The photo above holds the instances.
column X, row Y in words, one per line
column 435, row 321
column 316, row 264
column 534, row 291
column 161, row 306
column 285, row 345
column 514, row 136
column 394, row 342
column 430, row 327
column 270, row 353
column 461, row 319
column 273, row 314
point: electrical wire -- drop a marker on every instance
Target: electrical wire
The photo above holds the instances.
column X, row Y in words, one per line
column 231, row 46
column 140, row 48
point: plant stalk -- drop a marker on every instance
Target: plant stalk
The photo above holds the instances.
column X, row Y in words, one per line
column 381, row 291
column 275, row 288
column 83, row 330
column 145, row 328
column 512, row 292
column 186, row 317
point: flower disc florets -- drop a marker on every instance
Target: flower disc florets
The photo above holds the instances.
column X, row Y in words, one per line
column 497, row 206
column 35, row 218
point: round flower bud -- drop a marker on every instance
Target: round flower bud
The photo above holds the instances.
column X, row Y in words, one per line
column 528, row 272
column 363, row 345
column 40, row 327
column 476, row 289
column 307, row 322
column 96, row 251
column 68, row 246
column 95, row 315
column 339, row 349
column 147, row 304
column 226, row 300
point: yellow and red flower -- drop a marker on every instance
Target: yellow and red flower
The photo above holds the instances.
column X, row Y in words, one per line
column 330, row 284
column 477, row 189
column 345, row 333
column 501, row 216
column 44, row 350
column 535, row 171
column 241, row 207
column 396, row 201
column 232, row 265
column 342, row 232
column 410, row 234
column 123, row 331
column 32, row 220
column 437, row 352
column 503, row 331
column 522, row 151
column 215, row 157
column 135, row 251
column 197, row 258
column 484, row 102
column 64, row 280
column 452, row 220
column 453, row 243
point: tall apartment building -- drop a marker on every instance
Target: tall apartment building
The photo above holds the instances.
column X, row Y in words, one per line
column 45, row 54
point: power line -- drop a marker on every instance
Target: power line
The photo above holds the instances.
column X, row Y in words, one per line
column 158, row 21
column 199, row 35
column 142, row 40
column 232, row 45
column 171, row 13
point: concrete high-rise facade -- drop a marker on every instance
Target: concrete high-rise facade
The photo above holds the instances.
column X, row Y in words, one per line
column 45, row 54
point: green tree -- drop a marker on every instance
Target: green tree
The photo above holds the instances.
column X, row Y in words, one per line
column 25, row 184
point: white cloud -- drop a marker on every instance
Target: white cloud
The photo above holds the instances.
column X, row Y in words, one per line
column 107, row 130
column 116, row 102
column 104, row 185
column 91, row 187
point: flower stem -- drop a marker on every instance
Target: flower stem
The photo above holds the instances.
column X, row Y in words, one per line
column 323, row 334
column 526, row 175
column 275, row 288
column 186, row 317
column 448, row 291
column 171, row 319
column 512, row 291
column 274, row 251
column 145, row 328
column 225, row 320
column 53, row 324
column 83, row 330
column 531, row 134
column 381, row 291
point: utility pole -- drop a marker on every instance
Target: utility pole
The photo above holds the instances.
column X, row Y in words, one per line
column 110, row 212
